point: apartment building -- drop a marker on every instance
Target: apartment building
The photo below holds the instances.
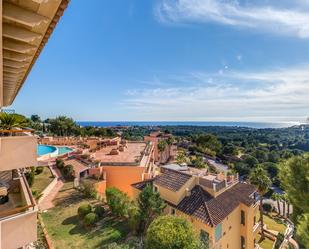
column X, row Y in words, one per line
column 123, row 163
column 221, row 208
column 168, row 152
column 25, row 28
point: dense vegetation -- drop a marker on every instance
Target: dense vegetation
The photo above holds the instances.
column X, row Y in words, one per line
column 59, row 126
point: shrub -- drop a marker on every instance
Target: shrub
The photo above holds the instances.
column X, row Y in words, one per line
column 90, row 219
column 267, row 207
column 116, row 235
column 30, row 177
column 99, row 211
column 39, row 170
column 88, row 189
column 117, row 201
column 68, row 171
column 83, row 210
column 279, row 240
column 85, row 156
column 59, row 164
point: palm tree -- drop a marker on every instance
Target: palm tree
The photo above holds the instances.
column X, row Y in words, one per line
column 286, row 203
column 277, row 197
column 260, row 179
column 11, row 121
column 284, row 198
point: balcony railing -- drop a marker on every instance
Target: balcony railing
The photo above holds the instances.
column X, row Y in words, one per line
column 18, row 149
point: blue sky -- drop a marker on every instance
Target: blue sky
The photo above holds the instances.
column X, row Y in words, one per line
column 174, row 60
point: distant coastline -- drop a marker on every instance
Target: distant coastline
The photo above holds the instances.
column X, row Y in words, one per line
column 257, row 125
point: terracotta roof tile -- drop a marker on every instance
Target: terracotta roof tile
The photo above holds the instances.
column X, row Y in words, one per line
column 172, row 180
column 141, row 185
column 212, row 210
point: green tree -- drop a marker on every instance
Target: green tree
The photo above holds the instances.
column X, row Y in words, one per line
column 150, row 205
column 209, row 141
column 117, row 201
column 181, row 157
column 229, row 149
column 251, row 161
column 294, row 176
column 35, row 118
column 171, row 232
column 62, row 126
column 302, row 230
column 199, row 163
column 277, row 197
column 258, row 177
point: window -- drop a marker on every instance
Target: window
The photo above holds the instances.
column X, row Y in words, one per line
column 242, row 241
column 204, row 237
column 218, row 232
column 155, row 189
column 242, row 217
column 173, row 211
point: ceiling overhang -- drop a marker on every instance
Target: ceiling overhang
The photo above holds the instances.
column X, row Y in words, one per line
column 26, row 27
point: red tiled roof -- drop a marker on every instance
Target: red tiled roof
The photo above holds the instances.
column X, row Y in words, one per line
column 172, row 179
column 213, row 210
column 141, row 185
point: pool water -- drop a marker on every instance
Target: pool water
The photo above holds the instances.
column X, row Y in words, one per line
column 55, row 151
column 63, row 150
column 45, row 149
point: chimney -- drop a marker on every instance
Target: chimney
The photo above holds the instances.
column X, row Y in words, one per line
column 188, row 192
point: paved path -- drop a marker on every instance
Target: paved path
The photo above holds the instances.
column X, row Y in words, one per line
column 47, row 200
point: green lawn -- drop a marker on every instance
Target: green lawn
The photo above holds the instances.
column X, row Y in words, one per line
column 65, row 231
column 266, row 243
column 273, row 223
column 41, row 181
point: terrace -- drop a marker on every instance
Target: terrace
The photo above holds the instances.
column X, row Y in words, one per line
column 212, row 183
column 129, row 154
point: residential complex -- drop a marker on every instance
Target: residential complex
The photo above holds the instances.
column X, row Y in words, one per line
column 218, row 205
column 25, row 28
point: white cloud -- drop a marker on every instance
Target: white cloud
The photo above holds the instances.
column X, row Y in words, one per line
column 274, row 95
column 290, row 18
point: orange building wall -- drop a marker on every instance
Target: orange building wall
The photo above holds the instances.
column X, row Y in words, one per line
column 121, row 177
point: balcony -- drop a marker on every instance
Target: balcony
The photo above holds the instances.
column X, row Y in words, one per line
column 18, row 213
column 18, row 149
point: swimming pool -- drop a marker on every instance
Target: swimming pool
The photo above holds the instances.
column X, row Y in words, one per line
column 45, row 149
column 52, row 150
column 63, row 150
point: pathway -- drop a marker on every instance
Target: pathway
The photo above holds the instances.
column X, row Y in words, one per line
column 47, row 199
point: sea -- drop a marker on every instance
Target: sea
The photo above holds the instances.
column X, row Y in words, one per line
column 257, row 125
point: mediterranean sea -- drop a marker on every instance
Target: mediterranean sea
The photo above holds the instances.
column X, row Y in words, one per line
column 257, row 125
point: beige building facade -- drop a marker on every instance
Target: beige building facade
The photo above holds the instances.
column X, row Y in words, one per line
column 221, row 208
